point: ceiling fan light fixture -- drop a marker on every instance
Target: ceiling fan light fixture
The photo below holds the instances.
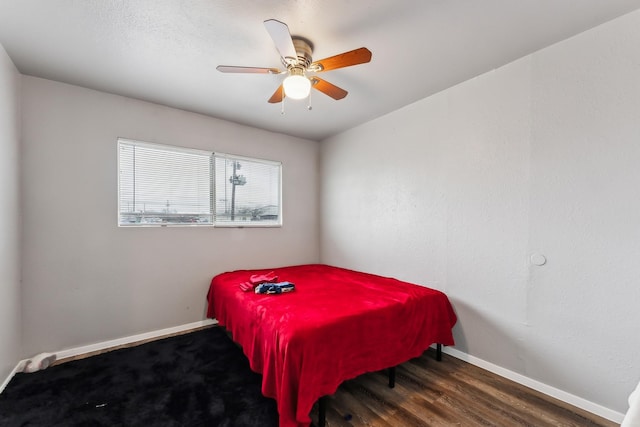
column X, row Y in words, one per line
column 297, row 85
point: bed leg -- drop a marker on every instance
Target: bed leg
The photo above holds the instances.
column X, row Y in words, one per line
column 438, row 352
column 322, row 411
column 392, row 377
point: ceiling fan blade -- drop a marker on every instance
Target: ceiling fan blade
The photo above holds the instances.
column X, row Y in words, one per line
column 346, row 59
column 277, row 96
column 279, row 32
column 328, row 88
column 253, row 70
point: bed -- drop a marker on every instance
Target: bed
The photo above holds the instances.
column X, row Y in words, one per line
column 336, row 325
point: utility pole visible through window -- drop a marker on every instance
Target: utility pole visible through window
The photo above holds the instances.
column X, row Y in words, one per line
column 235, row 180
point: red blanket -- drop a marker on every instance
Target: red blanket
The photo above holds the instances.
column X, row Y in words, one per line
column 336, row 324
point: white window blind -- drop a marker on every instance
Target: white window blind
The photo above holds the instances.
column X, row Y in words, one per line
column 166, row 185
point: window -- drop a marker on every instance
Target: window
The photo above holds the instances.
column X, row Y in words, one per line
column 165, row 185
column 247, row 191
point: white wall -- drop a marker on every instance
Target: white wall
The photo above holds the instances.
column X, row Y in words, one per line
column 10, row 328
column 85, row 279
column 458, row 190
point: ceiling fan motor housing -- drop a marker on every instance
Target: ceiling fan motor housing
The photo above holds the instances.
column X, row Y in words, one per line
column 304, row 49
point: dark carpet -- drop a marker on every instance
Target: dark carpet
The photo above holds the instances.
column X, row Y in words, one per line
column 197, row 379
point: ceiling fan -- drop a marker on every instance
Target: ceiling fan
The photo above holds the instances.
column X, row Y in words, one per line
column 295, row 54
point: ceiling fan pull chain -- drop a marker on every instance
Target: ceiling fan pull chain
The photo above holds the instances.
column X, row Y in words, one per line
column 309, row 107
column 282, row 111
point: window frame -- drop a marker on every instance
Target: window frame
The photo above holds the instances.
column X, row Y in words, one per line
column 213, row 155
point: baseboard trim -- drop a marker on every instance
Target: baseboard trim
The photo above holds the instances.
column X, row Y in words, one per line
column 569, row 398
column 15, row 370
column 106, row 345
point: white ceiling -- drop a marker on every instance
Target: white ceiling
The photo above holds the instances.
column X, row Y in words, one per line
column 166, row 51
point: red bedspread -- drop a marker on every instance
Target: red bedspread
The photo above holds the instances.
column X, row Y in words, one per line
column 336, row 324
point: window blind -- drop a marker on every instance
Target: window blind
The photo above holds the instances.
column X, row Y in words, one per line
column 161, row 184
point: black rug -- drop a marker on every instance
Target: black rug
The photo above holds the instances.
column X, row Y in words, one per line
column 198, row 379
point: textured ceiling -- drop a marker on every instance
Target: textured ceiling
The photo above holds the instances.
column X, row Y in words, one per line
column 166, row 51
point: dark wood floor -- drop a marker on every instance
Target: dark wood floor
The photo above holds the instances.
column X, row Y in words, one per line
column 447, row 393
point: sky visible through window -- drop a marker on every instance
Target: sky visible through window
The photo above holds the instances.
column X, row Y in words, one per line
column 257, row 188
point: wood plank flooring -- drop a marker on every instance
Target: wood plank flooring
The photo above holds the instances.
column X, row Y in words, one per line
column 447, row 393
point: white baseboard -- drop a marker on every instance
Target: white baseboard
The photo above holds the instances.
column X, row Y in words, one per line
column 18, row 367
column 77, row 351
column 538, row 386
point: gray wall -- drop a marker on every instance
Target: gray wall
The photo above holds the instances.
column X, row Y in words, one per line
column 86, row 280
column 10, row 308
column 458, row 190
